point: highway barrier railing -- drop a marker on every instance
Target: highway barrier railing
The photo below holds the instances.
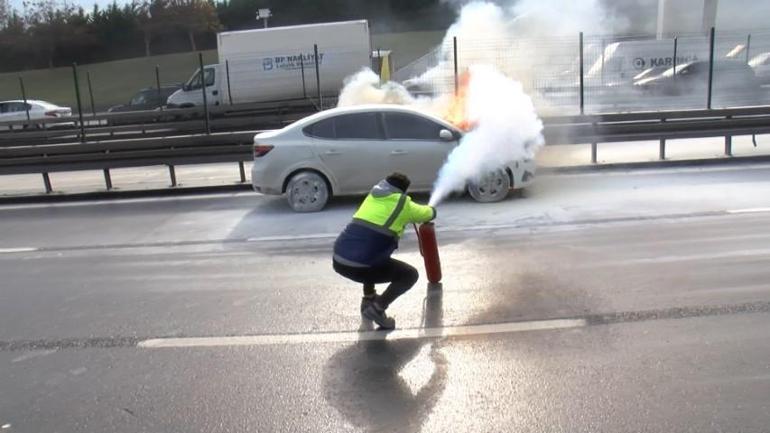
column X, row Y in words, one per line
column 171, row 148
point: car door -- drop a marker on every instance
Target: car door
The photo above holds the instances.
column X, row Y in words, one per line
column 353, row 149
column 415, row 147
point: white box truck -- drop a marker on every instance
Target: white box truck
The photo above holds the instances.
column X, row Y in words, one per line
column 265, row 65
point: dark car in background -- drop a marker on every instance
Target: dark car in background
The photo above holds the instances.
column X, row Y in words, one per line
column 147, row 99
column 734, row 83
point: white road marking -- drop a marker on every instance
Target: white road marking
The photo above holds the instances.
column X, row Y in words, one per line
column 5, row 426
column 119, row 200
column 32, row 355
column 293, row 237
column 17, row 250
column 349, row 337
column 750, row 210
column 683, row 258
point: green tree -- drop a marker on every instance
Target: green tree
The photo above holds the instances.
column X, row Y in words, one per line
column 193, row 16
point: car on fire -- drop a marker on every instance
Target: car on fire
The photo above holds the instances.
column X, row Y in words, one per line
column 346, row 150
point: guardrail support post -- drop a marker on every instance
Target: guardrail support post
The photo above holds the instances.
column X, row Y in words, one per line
column 107, row 179
column 662, row 146
column 728, row 145
column 47, row 182
column 172, row 174
column 243, row 171
column 594, row 150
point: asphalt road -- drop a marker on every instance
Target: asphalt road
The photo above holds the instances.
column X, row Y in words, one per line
column 621, row 302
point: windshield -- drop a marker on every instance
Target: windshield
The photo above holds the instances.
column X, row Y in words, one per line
column 195, row 81
column 142, row 98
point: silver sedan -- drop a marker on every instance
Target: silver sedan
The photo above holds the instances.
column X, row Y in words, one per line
column 346, row 150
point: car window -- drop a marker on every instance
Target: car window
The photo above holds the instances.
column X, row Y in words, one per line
column 141, row 98
column 209, row 76
column 3, row 107
column 404, row 126
column 358, row 126
column 15, row 107
column 321, row 129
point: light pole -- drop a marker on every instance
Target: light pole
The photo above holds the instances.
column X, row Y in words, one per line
column 264, row 14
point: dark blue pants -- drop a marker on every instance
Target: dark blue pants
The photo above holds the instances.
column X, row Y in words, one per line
column 400, row 275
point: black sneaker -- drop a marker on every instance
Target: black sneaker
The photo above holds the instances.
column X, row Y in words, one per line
column 374, row 313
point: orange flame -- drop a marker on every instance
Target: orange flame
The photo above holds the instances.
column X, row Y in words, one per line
column 456, row 112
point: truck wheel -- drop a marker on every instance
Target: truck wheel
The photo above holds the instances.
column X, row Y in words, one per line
column 493, row 187
column 307, row 191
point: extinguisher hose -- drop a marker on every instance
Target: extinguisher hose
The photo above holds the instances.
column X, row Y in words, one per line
column 419, row 240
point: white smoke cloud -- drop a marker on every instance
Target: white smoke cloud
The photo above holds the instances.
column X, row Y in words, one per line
column 507, row 129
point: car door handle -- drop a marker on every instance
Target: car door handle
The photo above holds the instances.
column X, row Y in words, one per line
column 399, row 152
column 332, row 152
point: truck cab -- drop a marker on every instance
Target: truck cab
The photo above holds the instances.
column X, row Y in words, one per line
column 190, row 95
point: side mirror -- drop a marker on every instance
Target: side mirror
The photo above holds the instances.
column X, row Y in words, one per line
column 185, row 87
column 446, row 135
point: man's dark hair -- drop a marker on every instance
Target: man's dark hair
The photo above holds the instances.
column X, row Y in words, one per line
column 399, row 180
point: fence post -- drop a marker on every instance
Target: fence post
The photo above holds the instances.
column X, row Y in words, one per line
column 676, row 43
column 91, row 93
column 227, row 73
column 107, row 179
column 157, row 85
column 603, row 48
column 205, row 101
column 24, row 96
column 317, row 75
column 454, row 58
column 662, row 146
column 302, row 69
column 172, row 174
column 80, row 105
column 47, row 183
column 711, row 68
column 748, row 47
column 582, row 88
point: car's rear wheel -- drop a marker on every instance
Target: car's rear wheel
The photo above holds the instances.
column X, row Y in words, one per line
column 493, row 187
column 307, row 191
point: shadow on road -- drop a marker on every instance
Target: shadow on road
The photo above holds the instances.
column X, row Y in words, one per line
column 386, row 385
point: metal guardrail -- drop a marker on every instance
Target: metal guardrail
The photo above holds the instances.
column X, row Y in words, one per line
column 661, row 126
column 171, row 149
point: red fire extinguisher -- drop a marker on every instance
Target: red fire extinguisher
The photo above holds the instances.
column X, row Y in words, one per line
column 426, row 236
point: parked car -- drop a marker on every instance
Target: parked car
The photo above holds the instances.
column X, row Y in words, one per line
column 346, row 150
column 761, row 66
column 734, row 83
column 16, row 110
column 147, row 99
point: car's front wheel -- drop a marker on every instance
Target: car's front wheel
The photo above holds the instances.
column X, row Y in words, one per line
column 307, row 191
column 493, row 187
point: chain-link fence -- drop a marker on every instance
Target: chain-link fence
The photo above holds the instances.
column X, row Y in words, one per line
column 610, row 74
